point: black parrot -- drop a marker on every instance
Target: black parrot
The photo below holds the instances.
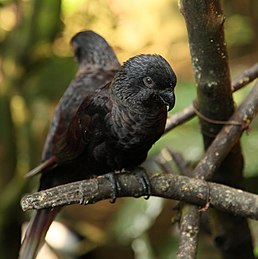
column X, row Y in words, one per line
column 107, row 120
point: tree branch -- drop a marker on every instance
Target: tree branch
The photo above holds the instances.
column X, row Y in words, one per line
column 189, row 229
column 245, row 78
column 190, row 190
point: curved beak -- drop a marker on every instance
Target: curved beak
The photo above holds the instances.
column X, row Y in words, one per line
column 168, row 98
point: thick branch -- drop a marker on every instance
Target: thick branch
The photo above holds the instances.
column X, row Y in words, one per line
column 190, row 190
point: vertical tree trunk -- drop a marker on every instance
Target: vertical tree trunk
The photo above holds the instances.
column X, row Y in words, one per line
column 204, row 21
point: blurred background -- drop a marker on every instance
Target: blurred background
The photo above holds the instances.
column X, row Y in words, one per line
column 36, row 66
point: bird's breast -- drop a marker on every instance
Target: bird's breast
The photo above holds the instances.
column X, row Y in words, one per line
column 132, row 135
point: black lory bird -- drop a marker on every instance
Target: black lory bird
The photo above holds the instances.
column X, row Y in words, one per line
column 102, row 126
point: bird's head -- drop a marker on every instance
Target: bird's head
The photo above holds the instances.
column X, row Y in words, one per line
column 145, row 81
column 92, row 49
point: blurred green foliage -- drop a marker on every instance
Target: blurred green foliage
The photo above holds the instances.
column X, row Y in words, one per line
column 36, row 65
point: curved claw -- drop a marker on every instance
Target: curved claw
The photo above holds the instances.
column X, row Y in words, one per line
column 115, row 185
column 143, row 178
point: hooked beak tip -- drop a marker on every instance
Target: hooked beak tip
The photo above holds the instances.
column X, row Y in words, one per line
column 170, row 107
column 168, row 98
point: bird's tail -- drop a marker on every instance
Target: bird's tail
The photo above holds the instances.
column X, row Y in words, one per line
column 36, row 232
column 47, row 164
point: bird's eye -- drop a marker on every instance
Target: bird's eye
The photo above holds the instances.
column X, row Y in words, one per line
column 148, row 81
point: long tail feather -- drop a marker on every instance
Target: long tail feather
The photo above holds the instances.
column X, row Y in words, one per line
column 51, row 162
column 36, row 232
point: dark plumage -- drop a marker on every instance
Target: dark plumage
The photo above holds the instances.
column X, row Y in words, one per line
column 103, row 126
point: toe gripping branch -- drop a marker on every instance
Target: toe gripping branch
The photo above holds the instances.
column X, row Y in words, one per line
column 115, row 185
column 141, row 177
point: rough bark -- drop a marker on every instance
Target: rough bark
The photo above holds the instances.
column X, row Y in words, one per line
column 190, row 190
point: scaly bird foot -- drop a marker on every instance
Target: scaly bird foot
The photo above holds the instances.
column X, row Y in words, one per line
column 143, row 178
column 115, row 185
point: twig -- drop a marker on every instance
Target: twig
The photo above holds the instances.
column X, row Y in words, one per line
column 163, row 160
column 245, row 78
column 179, row 118
column 180, row 162
column 188, row 113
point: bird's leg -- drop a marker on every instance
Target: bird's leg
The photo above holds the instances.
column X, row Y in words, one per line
column 115, row 185
column 143, row 178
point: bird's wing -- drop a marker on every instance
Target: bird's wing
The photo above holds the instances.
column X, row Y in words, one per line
column 77, row 93
column 97, row 65
column 79, row 89
column 71, row 144
column 83, row 125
